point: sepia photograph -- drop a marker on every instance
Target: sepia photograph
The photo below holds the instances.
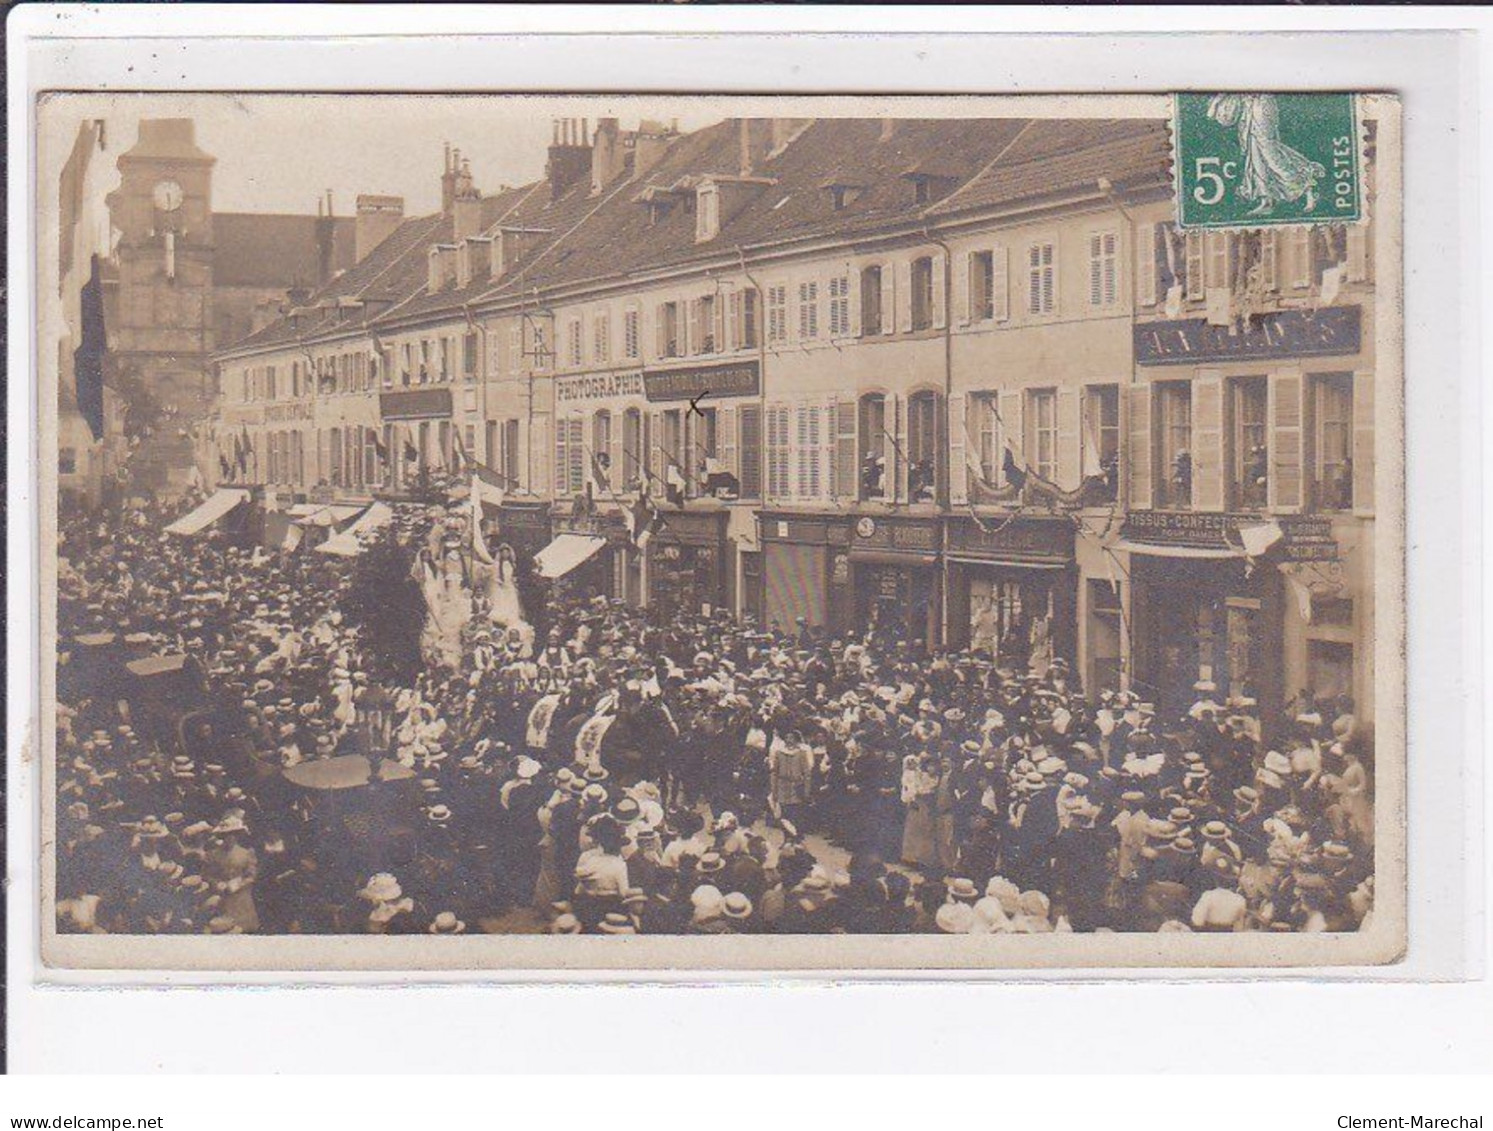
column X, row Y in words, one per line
column 510, row 532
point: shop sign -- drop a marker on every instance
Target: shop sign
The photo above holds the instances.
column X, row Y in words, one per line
column 414, row 404
column 727, row 379
column 919, row 537
column 1303, row 537
column 1282, row 334
column 1034, row 539
column 598, row 386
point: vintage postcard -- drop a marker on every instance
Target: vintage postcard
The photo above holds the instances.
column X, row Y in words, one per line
column 671, row 533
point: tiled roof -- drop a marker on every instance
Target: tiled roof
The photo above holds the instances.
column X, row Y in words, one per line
column 253, row 249
column 980, row 164
column 1053, row 156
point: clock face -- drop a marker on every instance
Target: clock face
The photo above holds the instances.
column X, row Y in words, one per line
column 167, row 196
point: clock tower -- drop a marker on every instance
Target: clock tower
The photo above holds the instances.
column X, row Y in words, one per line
column 161, row 332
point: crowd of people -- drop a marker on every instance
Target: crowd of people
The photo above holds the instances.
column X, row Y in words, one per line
column 613, row 774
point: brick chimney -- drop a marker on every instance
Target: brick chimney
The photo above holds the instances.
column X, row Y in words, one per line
column 466, row 205
column 377, row 217
column 326, row 227
column 448, row 178
column 755, row 142
column 608, row 156
column 650, row 145
column 569, row 156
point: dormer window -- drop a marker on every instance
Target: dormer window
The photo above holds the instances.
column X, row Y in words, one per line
column 928, row 187
column 843, row 196
column 707, row 212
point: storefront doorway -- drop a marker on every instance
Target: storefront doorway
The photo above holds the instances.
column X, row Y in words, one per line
column 897, row 604
column 1207, row 620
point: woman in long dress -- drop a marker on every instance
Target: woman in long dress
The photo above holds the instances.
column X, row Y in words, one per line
column 1273, row 171
column 920, row 779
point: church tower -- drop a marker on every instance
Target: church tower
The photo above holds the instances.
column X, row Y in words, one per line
column 162, row 210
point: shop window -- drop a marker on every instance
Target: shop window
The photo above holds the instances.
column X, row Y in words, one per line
column 922, row 447
column 1251, row 447
column 1329, row 669
column 1332, row 612
column 1106, row 632
column 922, row 292
column 632, row 449
column 1174, row 488
column 1042, row 411
column 1334, row 440
column 875, row 480
column 1101, row 440
column 871, row 312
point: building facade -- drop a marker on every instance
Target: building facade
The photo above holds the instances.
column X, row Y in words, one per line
column 959, row 382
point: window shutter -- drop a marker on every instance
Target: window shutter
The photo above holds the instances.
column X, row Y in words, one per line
column 961, row 301
column 725, row 442
column 718, row 327
column 1137, row 463
column 1068, row 469
column 540, row 445
column 1358, row 253
column 1207, row 441
column 1299, row 240
column 1145, row 265
column 1363, row 442
column 898, row 469
column 888, row 298
column 1012, row 434
column 750, row 451
column 846, row 469
column 903, row 272
column 655, row 462
column 853, row 297
column 940, row 297
column 1286, row 478
column 958, row 467
column 1000, row 289
column 734, row 339
column 659, row 340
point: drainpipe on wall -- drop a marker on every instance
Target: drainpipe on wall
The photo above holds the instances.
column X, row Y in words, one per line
column 762, row 471
column 943, row 488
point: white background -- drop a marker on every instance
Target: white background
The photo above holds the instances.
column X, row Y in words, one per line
column 1424, row 1015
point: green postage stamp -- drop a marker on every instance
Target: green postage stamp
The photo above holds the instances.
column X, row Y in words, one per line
column 1252, row 160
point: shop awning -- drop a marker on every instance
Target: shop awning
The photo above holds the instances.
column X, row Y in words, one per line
column 1160, row 550
column 348, row 543
column 328, row 514
column 212, row 509
column 565, row 553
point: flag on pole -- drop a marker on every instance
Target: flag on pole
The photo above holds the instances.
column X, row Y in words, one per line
column 643, row 519
column 241, row 449
column 674, row 481
column 1015, row 475
column 601, row 472
column 224, row 466
column 380, row 448
column 411, row 453
column 479, row 544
